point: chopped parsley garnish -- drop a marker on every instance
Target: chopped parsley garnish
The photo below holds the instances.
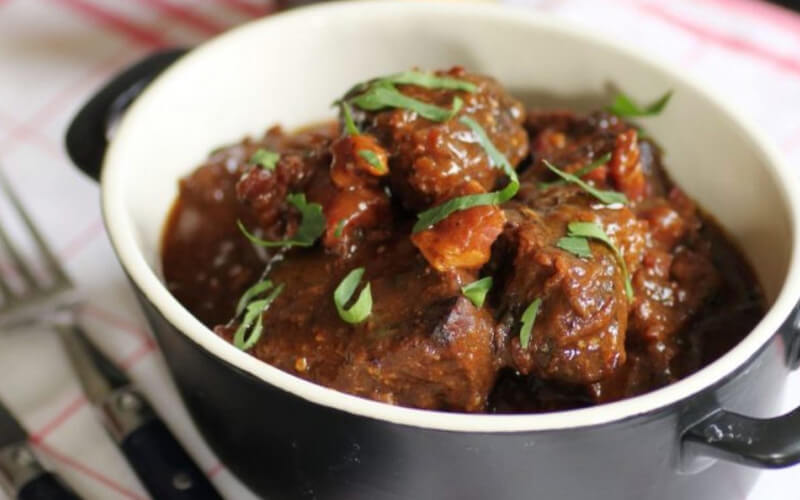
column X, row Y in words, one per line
column 429, row 81
column 590, row 230
column 599, row 162
column 265, row 158
column 251, row 292
column 381, row 95
column 312, row 225
column 339, row 227
column 575, row 245
column 252, row 324
column 605, row 196
column 362, row 307
column 625, row 107
column 418, row 78
column 528, row 319
column 477, row 290
column 372, row 158
column 349, row 124
column 438, row 213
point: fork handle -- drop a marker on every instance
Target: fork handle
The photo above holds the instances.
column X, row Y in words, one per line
column 47, row 486
column 24, row 476
column 163, row 466
column 88, row 133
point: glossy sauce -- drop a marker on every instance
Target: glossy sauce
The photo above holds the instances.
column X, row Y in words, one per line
column 424, row 344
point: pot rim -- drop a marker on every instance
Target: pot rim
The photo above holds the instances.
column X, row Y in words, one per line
column 121, row 234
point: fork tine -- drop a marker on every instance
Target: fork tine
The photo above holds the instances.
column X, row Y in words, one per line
column 19, row 266
column 8, row 295
column 59, row 276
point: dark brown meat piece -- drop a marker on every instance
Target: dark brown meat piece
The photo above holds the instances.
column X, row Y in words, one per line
column 571, row 142
column 207, row 264
column 649, row 240
column 431, row 161
column 262, row 192
column 438, row 358
column 579, row 333
column 430, row 352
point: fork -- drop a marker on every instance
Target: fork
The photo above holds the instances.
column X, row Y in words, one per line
column 161, row 463
column 23, row 305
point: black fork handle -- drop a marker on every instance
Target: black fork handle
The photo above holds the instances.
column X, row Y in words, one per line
column 165, row 469
column 48, row 486
column 25, row 478
column 88, row 133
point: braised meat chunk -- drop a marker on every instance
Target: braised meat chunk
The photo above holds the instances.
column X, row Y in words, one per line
column 579, row 333
column 440, row 246
column 432, row 160
column 435, row 159
column 433, row 352
column 430, row 352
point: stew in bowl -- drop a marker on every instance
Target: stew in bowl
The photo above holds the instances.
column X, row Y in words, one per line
column 442, row 246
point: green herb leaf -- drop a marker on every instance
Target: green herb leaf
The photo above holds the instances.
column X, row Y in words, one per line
column 312, row 225
column 528, row 319
column 456, row 106
column 606, row 197
column 251, row 325
column 250, row 293
column 384, row 95
column 362, row 307
column 265, row 158
column 575, row 245
column 495, row 156
column 349, row 124
column 580, row 172
column 589, row 230
column 372, row 158
column 339, row 227
column 477, row 290
column 429, row 81
column 594, row 231
column 625, row 107
column 248, row 333
column 418, row 78
column 438, row 213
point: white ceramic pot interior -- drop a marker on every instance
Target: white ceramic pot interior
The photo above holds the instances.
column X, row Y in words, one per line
column 288, row 69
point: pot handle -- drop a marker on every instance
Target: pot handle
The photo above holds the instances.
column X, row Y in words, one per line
column 770, row 443
column 88, row 133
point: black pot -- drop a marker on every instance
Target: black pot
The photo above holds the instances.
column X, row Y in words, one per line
column 285, row 447
column 288, row 445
